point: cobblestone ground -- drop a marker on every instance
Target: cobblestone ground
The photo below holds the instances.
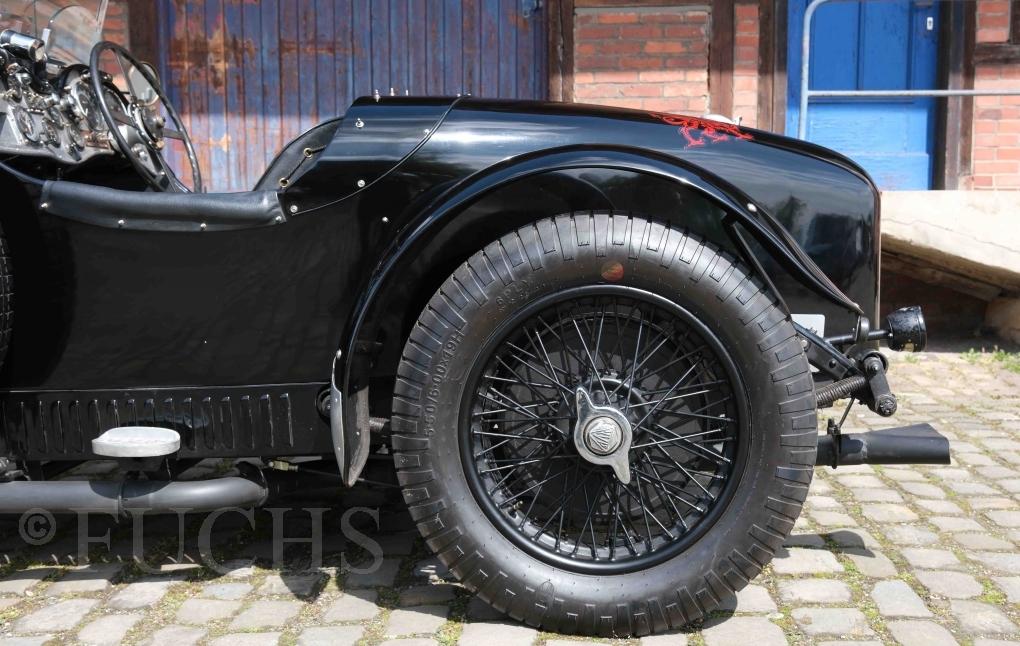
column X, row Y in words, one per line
column 920, row 556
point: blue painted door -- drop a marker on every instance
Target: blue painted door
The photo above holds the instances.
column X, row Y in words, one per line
column 870, row 45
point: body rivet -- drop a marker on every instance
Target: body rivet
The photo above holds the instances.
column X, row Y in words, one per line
column 361, row 183
column 202, row 226
column 385, row 220
column 293, row 208
column 279, row 218
column 120, row 223
column 358, row 123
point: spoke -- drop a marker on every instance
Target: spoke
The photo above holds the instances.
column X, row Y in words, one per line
column 591, row 360
column 505, row 410
column 533, row 384
column 670, row 391
column 672, row 504
column 679, row 438
column 677, row 360
column 687, row 443
column 690, row 477
column 566, row 346
column 665, row 399
column 529, row 366
column 120, row 118
column 538, row 485
column 523, row 462
column 127, row 77
column 517, row 408
column 529, row 438
column 534, row 499
column 670, row 485
column 592, row 505
column 637, row 348
column 552, row 375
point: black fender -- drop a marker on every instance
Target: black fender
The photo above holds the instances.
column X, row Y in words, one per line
column 738, row 208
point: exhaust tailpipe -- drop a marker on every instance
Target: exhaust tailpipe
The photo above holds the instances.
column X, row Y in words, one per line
column 123, row 498
column 916, row 444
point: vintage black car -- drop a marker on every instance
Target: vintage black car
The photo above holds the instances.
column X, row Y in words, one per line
column 589, row 341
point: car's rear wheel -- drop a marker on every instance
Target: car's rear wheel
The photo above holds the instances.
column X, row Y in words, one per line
column 604, row 425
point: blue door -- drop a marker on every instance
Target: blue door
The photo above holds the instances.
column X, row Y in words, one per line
column 870, row 45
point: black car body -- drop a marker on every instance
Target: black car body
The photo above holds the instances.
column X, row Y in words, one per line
column 126, row 319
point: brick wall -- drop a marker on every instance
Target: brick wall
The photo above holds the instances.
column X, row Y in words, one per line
column 745, row 64
column 652, row 58
column 656, row 58
column 116, row 26
column 996, row 119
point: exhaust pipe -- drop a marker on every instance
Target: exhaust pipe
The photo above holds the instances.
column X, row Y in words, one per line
column 916, row 444
column 122, row 498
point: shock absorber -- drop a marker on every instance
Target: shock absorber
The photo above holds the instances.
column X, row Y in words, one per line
column 851, row 386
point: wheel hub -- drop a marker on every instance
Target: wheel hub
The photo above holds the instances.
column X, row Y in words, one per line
column 602, row 435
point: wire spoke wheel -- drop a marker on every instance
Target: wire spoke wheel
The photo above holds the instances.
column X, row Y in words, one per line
column 666, row 411
column 604, row 425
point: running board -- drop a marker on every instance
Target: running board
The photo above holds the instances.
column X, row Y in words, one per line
column 915, row 444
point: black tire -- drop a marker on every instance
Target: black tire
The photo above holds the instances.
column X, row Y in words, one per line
column 612, row 252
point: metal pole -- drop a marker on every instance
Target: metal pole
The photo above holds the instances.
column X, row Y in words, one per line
column 913, row 93
column 805, row 66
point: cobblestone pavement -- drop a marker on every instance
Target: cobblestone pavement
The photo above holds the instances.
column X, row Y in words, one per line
column 920, row 556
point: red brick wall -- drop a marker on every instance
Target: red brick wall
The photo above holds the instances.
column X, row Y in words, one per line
column 745, row 64
column 656, row 58
column 996, row 119
column 116, row 26
column 653, row 58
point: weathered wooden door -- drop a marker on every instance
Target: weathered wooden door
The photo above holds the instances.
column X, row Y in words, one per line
column 249, row 76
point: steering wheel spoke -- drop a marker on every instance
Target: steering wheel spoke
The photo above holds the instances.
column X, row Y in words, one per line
column 152, row 166
column 122, row 119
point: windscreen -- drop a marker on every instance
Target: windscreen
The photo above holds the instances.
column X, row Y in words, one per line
column 68, row 27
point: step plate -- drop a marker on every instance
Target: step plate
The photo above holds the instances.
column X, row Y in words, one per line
column 137, row 442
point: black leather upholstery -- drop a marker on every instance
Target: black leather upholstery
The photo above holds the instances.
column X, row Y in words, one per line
column 291, row 162
column 112, row 207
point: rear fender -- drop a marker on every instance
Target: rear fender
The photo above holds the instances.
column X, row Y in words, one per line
column 737, row 209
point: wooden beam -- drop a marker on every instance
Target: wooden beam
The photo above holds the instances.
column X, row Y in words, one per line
column 720, row 58
column 1014, row 22
column 143, row 30
column 766, row 62
column 928, row 273
column 560, row 25
column 779, row 75
column 997, row 53
column 956, row 118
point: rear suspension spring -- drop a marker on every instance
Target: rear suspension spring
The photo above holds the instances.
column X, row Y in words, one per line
column 841, row 389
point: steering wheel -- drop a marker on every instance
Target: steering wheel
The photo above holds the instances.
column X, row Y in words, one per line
column 138, row 128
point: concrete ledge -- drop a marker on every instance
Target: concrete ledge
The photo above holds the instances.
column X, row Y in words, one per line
column 973, row 234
